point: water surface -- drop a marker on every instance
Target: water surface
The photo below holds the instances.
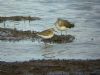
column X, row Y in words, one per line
column 84, row 14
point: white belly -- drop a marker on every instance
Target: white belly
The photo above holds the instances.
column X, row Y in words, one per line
column 61, row 28
column 46, row 37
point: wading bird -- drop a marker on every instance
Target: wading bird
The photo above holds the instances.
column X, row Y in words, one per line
column 47, row 34
column 63, row 25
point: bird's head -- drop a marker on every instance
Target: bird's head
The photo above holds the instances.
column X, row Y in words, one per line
column 52, row 29
column 59, row 19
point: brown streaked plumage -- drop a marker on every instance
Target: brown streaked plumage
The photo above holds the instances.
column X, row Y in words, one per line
column 46, row 34
column 63, row 25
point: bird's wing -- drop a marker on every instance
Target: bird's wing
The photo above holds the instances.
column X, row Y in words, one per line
column 45, row 33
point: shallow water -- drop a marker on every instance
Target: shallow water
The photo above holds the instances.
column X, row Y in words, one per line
column 85, row 15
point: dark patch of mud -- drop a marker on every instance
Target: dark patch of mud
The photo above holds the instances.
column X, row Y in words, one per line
column 51, row 67
column 16, row 35
column 18, row 18
column 60, row 39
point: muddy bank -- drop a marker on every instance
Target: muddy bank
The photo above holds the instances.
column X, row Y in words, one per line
column 51, row 67
column 18, row 18
column 60, row 39
column 16, row 35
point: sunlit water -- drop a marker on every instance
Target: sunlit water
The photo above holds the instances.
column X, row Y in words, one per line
column 85, row 14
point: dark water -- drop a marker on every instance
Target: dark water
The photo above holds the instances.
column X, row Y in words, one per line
column 84, row 13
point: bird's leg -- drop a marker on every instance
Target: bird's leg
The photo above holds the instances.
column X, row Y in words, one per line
column 46, row 45
column 61, row 32
column 66, row 32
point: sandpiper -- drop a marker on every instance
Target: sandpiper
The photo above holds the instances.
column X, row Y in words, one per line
column 46, row 34
column 63, row 25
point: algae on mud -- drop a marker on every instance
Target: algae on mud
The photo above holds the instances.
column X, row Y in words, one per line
column 15, row 35
column 18, row 18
